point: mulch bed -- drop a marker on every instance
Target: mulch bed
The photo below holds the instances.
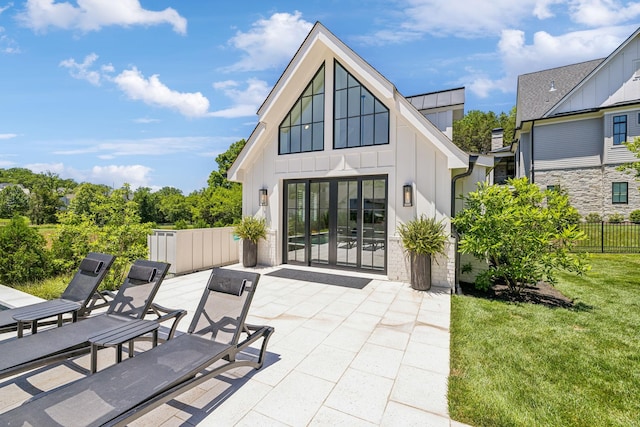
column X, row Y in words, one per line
column 543, row 294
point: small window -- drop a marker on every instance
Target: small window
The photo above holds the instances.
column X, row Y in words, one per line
column 639, row 118
column 619, row 193
column 619, row 130
column 553, row 187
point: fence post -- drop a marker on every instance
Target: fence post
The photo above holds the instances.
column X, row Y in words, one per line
column 602, row 236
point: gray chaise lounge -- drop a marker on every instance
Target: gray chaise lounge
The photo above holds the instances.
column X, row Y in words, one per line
column 79, row 298
column 131, row 303
column 125, row 391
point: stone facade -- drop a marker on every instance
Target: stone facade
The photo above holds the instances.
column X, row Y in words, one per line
column 590, row 189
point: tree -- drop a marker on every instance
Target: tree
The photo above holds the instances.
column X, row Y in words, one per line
column 148, row 205
column 111, row 226
column 13, row 201
column 46, row 198
column 24, row 256
column 523, row 233
column 633, row 167
column 225, row 160
column 473, row 132
column 173, row 205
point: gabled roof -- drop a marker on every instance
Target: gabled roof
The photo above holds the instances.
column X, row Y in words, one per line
column 539, row 92
column 319, row 34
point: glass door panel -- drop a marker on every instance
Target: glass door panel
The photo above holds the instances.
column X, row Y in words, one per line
column 319, row 221
column 347, row 224
column 296, row 222
column 374, row 220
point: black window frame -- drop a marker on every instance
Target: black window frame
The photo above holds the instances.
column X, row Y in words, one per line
column 372, row 119
column 619, row 193
column 316, row 126
column 619, row 129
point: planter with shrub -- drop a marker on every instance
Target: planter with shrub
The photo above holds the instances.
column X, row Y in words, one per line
column 422, row 238
column 250, row 230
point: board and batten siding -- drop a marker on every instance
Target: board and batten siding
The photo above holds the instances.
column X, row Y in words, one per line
column 572, row 144
column 617, row 154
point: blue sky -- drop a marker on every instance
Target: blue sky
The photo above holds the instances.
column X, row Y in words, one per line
column 150, row 92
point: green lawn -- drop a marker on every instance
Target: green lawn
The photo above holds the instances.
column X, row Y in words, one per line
column 525, row 365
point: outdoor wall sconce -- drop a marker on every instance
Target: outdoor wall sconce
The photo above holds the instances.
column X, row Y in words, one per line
column 407, row 195
column 263, row 198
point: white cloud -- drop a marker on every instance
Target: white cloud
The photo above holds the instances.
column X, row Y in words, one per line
column 7, row 44
column 135, row 147
column 545, row 51
column 246, row 102
column 145, row 120
column 271, row 42
column 597, row 13
column 81, row 71
column 153, row 92
column 92, row 15
column 460, row 18
column 135, row 175
column 8, row 135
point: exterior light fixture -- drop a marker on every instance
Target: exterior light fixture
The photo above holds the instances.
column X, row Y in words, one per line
column 263, row 198
column 407, row 195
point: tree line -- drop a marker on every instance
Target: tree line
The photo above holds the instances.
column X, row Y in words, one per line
column 47, row 196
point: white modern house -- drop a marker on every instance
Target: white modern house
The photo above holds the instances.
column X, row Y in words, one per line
column 571, row 126
column 340, row 158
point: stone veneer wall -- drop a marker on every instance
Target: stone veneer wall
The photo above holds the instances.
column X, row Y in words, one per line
column 590, row 189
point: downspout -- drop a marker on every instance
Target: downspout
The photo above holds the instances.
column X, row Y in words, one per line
column 472, row 162
column 532, row 176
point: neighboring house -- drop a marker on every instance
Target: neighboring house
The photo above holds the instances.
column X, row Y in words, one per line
column 340, row 158
column 571, row 126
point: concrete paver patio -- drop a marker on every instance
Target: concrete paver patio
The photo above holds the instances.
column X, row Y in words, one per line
column 339, row 356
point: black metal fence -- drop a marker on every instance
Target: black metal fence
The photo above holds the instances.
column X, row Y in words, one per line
column 607, row 237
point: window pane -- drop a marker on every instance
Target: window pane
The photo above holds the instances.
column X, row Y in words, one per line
column 367, row 130
column 284, row 140
column 341, row 77
column 296, row 111
column 306, row 110
column 306, row 138
column 341, row 104
column 318, row 108
column 318, row 82
column 353, row 82
column 381, row 128
column 353, row 140
column 295, row 139
column 308, row 91
column 318, row 136
column 340, row 132
column 380, row 108
column 367, row 102
column 286, row 121
column 354, row 101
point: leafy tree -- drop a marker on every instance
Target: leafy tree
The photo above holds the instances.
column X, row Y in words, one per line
column 46, row 198
column 111, row 226
column 225, row 160
column 473, row 132
column 173, row 205
column 13, row 201
column 523, row 233
column 633, row 167
column 219, row 206
column 148, row 205
column 24, row 256
column 85, row 196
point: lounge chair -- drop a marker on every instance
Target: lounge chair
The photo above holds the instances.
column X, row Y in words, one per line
column 125, row 391
column 130, row 304
column 79, row 298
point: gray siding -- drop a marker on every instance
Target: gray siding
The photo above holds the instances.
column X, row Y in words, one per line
column 523, row 156
column 568, row 145
column 616, row 154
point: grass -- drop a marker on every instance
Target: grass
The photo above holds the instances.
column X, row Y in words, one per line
column 48, row 288
column 526, row 365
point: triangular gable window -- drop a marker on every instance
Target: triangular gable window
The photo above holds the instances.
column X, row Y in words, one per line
column 302, row 130
column 360, row 118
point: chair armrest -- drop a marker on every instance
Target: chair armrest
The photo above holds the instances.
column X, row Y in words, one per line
column 99, row 300
column 255, row 333
column 165, row 314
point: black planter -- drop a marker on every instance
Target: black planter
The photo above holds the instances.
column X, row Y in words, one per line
column 249, row 253
column 421, row 272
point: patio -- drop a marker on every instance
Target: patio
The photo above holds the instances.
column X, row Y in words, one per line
column 339, row 356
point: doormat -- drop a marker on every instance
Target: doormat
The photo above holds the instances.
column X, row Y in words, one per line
column 325, row 278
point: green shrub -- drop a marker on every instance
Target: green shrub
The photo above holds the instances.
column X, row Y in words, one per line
column 593, row 217
column 616, row 218
column 24, row 257
column 251, row 228
column 181, row 224
column 635, row 216
column 423, row 236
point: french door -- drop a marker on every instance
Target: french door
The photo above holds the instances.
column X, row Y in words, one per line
column 339, row 222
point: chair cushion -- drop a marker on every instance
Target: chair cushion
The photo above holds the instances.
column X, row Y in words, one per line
column 228, row 286
column 91, row 265
column 141, row 272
